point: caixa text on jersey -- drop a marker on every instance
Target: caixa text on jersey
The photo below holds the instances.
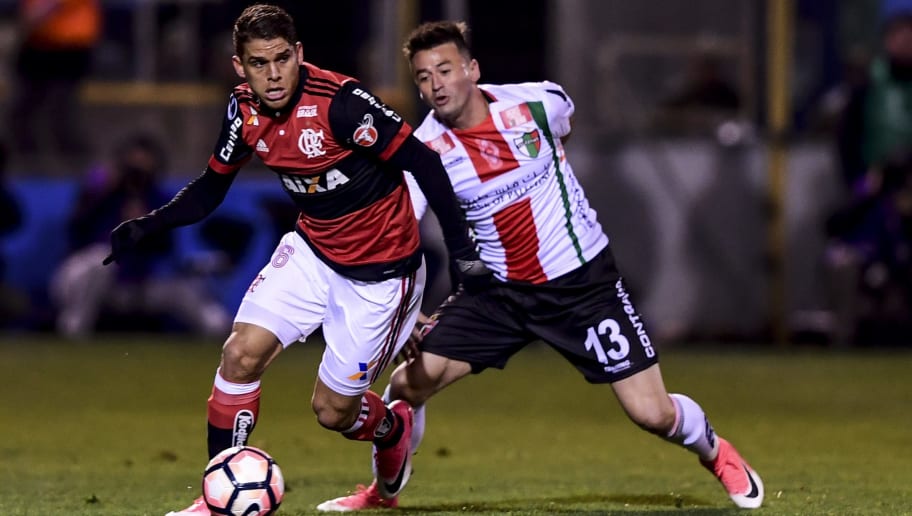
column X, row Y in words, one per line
column 324, row 182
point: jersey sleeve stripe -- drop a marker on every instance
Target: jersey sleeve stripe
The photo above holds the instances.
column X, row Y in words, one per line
column 396, row 142
column 222, row 168
column 559, row 93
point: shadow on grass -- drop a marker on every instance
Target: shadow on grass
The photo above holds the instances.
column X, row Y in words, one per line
column 570, row 505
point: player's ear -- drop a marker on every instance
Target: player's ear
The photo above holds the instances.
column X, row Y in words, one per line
column 473, row 70
column 238, row 67
column 299, row 52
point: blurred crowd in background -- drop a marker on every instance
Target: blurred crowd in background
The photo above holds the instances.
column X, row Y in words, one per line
column 109, row 106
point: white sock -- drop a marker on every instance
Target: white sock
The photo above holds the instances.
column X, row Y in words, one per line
column 420, row 416
column 233, row 388
column 418, row 427
column 692, row 429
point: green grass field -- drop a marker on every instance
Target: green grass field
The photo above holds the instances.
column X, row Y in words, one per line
column 117, row 427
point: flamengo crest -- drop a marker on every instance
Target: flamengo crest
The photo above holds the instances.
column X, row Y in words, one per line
column 311, row 142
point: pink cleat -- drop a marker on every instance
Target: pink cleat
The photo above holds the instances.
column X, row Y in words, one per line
column 363, row 498
column 197, row 508
column 742, row 483
column 393, row 465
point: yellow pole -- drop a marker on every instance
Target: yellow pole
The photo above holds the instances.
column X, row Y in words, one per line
column 778, row 58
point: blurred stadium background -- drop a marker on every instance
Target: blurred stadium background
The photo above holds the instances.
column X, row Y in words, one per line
column 715, row 200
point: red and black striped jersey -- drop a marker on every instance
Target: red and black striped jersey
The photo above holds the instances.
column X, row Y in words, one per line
column 329, row 148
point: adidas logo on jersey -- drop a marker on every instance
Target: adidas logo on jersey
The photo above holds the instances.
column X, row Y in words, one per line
column 261, row 146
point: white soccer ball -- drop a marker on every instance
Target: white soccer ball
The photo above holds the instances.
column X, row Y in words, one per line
column 243, row 481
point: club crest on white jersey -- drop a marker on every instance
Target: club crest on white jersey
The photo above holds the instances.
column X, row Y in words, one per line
column 530, row 215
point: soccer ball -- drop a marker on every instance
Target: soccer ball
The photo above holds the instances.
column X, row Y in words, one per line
column 243, row 480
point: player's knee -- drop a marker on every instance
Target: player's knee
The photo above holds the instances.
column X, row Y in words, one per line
column 413, row 388
column 332, row 417
column 417, row 381
column 239, row 362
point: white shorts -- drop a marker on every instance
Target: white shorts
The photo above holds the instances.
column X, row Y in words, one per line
column 365, row 324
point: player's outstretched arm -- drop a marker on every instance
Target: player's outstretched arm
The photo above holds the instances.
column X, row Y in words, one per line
column 193, row 203
column 432, row 178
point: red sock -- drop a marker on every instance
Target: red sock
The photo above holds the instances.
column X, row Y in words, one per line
column 231, row 418
column 375, row 423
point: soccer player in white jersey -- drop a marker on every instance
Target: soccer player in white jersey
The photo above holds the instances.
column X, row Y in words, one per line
column 555, row 277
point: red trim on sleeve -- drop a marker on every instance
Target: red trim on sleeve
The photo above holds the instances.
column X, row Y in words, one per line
column 222, row 168
column 397, row 141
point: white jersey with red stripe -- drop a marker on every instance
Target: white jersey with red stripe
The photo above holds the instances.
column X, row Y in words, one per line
column 531, row 218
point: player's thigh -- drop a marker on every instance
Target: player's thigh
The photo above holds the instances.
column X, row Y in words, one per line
column 289, row 295
column 366, row 325
column 603, row 335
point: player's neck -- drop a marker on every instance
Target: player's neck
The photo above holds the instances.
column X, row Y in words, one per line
column 475, row 112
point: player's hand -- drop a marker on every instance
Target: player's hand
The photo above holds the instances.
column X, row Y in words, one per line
column 473, row 274
column 411, row 348
column 410, row 351
column 127, row 236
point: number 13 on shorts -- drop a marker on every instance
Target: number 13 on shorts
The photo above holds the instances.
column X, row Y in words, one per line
column 615, row 357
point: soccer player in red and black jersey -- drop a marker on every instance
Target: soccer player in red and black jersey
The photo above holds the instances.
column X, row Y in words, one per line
column 352, row 265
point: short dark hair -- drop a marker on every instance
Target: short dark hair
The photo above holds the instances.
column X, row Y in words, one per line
column 432, row 34
column 263, row 21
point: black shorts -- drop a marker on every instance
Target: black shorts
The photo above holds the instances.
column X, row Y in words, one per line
column 586, row 315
